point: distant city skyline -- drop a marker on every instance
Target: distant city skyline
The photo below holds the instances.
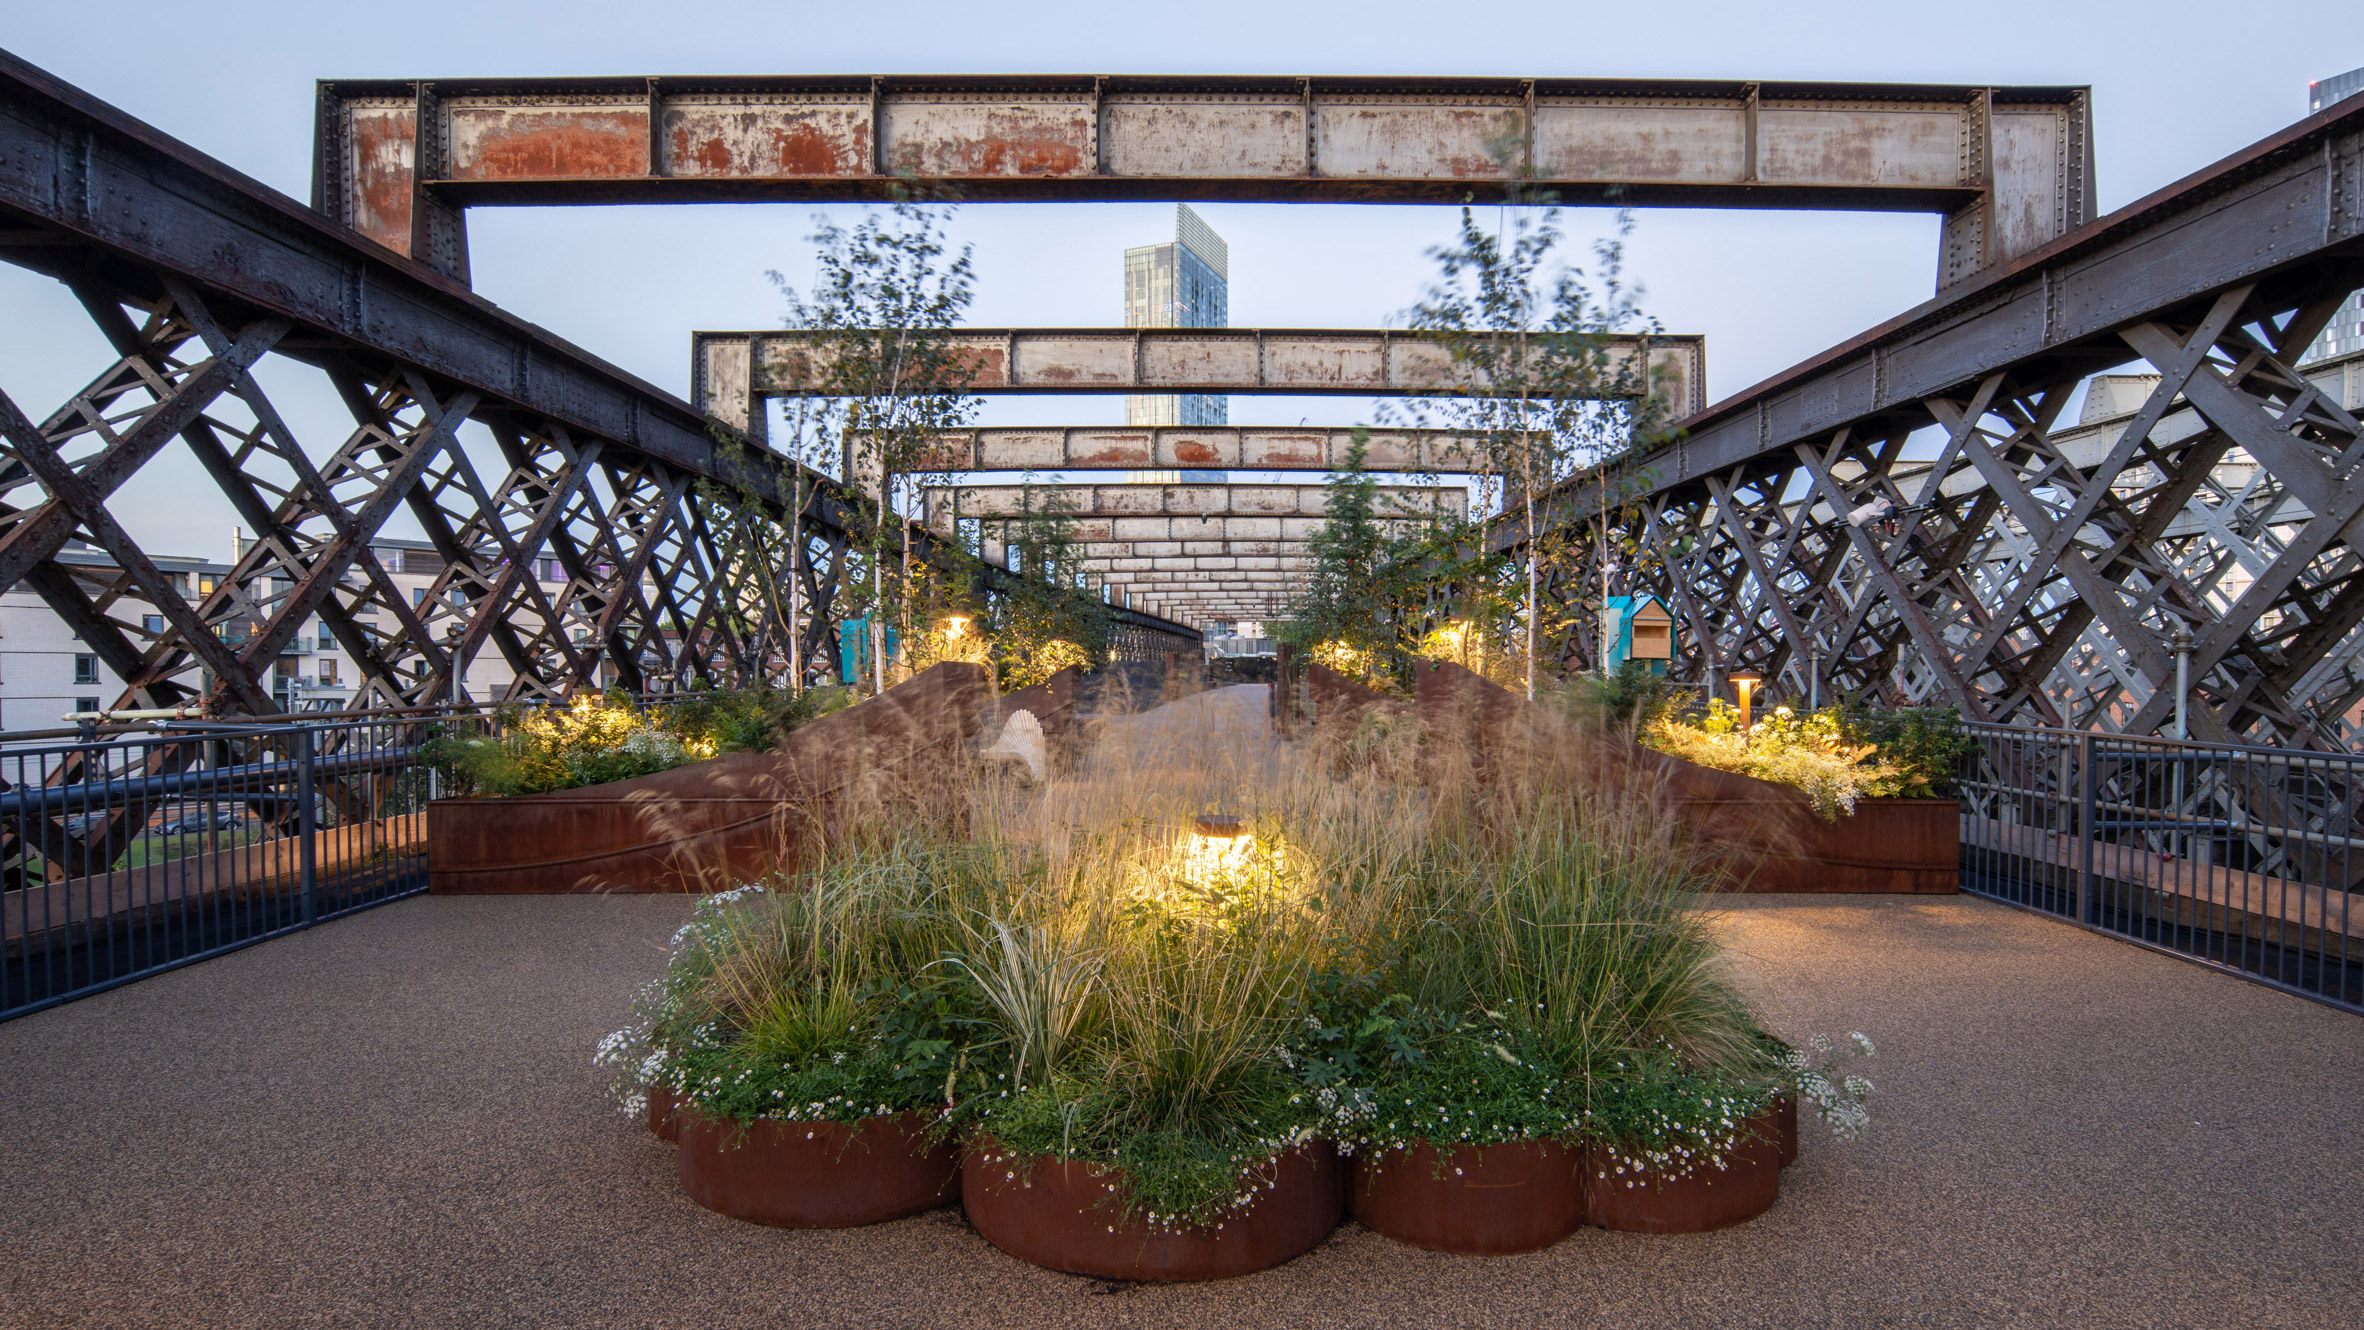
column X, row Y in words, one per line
column 1183, row 283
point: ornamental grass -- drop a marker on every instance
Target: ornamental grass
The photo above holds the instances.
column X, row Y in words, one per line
column 1414, row 938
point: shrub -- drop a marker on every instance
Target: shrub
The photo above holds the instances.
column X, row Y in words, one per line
column 1394, row 952
column 596, row 739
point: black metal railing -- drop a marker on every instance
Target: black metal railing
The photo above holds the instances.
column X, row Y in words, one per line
column 2241, row 858
column 135, row 853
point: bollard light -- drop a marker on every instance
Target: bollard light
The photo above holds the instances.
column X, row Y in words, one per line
column 1219, row 846
column 955, row 626
column 1745, row 681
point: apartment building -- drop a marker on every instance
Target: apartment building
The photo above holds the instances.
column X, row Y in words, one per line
column 48, row 672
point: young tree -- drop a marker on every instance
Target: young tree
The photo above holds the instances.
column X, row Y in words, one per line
column 1047, row 617
column 884, row 373
column 1350, row 591
column 1539, row 385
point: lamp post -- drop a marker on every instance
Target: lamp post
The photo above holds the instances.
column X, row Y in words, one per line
column 1743, row 681
column 2182, row 642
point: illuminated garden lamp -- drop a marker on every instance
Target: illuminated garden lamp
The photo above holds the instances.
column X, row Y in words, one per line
column 1219, row 846
column 956, row 625
column 1745, row 680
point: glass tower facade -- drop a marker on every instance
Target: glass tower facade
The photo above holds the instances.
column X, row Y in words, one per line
column 2346, row 333
column 1183, row 284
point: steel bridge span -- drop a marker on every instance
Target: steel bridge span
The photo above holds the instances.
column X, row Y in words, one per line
column 2012, row 561
column 195, row 273
column 2026, row 566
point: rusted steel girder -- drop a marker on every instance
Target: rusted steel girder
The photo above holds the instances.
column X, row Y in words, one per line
column 191, row 272
column 2008, row 168
column 2011, row 563
column 943, row 504
column 1203, row 447
column 730, row 370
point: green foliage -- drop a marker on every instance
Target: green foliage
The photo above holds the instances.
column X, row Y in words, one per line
column 1927, row 746
column 733, row 720
column 1047, row 619
column 1632, row 700
column 595, row 739
column 888, row 381
column 1350, row 605
column 1837, row 755
column 1537, row 385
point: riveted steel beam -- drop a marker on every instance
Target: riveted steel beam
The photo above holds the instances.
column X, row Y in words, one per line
column 194, row 273
column 2009, row 168
column 729, row 370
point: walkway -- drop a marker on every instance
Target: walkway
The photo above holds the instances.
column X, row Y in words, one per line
column 392, row 1121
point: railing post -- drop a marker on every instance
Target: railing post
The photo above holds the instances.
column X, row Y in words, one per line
column 307, row 828
column 2085, row 832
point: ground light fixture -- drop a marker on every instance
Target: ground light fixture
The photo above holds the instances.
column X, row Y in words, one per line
column 955, row 626
column 1745, row 681
column 1218, row 850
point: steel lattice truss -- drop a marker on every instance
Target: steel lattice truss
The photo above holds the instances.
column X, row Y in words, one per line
column 2022, row 581
column 642, row 552
column 2023, row 569
column 679, row 543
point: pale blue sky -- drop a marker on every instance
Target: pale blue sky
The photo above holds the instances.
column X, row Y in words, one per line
column 2176, row 86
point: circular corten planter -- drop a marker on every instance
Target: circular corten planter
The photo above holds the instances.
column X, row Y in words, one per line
column 815, row 1174
column 1069, row 1215
column 664, row 1109
column 1704, row 1198
column 1482, row 1200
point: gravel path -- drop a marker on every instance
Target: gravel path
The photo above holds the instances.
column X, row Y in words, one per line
column 391, row 1121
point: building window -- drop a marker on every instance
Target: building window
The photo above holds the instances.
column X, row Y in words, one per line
column 86, row 669
column 86, row 704
column 153, row 623
column 204, row 586
column 418, row 596
column 327, row 639
column 328, row 673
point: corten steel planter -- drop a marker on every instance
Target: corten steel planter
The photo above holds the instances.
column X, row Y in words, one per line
column 1896, row 846
column 664, row 1112
column 816, row 1174
column 1770, row 838
column 1704, row 1198
column 712, row 824
column 1481, row 1200
column 1069, row 1215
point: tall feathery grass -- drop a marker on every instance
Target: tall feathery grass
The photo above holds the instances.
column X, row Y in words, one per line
column 1422, row 937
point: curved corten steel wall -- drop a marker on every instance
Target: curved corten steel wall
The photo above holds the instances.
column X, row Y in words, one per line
column 714, row 824
column 1771, row 838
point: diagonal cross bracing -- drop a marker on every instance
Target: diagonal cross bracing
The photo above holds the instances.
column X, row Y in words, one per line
column 194, row 273
column 2027, row 565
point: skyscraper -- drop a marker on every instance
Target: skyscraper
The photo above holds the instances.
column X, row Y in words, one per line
column 1183, row 284
column 2346, row 332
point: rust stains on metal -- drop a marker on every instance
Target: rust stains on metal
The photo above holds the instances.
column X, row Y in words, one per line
column 530, row 143
column 380, row 146
column 964, row 139
column 1120, row 451
column 704, row 140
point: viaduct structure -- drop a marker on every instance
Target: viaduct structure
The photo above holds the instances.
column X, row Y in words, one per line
column 1914, row 513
